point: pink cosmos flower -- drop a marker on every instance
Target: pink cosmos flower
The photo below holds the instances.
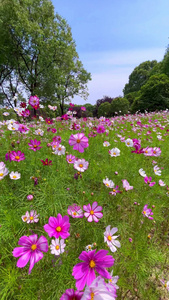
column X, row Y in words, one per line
column 70, row 159
column 148, row 151
column 147, row 180
column 30, row 197
column 115, row 191
column 34, row 102
column 46, row 162
column 81, row 165
column 31, row 249
column 17, row 156
column 34, row 145
column 26, row 113
column 147, row 212
column 156, row 151
column 70, row 294
column 79, row 141
column 84, row 272
column 110, row 239
column 126, row 185
column 22, row 128
column 58, row 227
column 83, row 108
column 100, row 129
column 48, row 121
column 57, row 138
column 93, row 213
column 75, row 211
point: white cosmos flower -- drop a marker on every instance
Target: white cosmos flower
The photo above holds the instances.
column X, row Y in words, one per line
column 142, row 172
column 59, row 150
column 110, row 239
column 15, row 175
column 89, row 248
column 3, row 170
column 157, row 170
column 114, row 152
column 106, row 144
column 13, row 127
column 108, row 183
column 129, row 142
column 39, row 132
column 57, row 246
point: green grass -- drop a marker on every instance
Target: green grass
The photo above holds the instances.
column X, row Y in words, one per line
column 140, row 265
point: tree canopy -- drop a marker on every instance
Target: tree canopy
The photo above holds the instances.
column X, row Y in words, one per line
column 37, row 50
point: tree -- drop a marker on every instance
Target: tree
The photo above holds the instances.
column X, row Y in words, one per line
column 104, row 109
column 119, row 105
column 139, row 76
column 154, row 95
column 37, row 46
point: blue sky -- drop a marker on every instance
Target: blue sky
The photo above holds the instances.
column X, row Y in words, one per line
column 113, row 37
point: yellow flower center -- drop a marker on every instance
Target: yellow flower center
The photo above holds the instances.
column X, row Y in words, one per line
column 57, row 247
column 114, row 190
column 81, row 166
column 92, row 264
column 70, row 159
column 48, row 122
column 14, row 176
column 25, row 218
column 154, row 152
column 59, row 148
column 146, row 151
column 92, row 212
column 109, row 237
column 128, row 143
column 165, row 285
column 1, row 174
column 144, row 212
column 114, row 153
column 78, row 141
column 58, row 229
column 89, row 247
column 74, row 213
column 92, row 296
column 17, row 157
column 31, row 218
column 34, row 247
column 35, row 146
column 107, row 184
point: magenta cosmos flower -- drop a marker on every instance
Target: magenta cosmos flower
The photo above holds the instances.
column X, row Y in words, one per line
column 79, row 141
column 31, row 249
column 58, row 227
column 34, row 145
column 93, row 213
column 17, row 156
column 84, row 272
column 70, row 294
column 147, row 180
column 147, row 212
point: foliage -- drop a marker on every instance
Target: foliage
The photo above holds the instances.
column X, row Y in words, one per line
column 140, row 263
column 37, row 50
column 139, row 76
column 154, row 95
column 104, row 109
column 119, row 105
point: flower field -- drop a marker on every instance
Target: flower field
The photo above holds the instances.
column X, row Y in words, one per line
column 84, row 207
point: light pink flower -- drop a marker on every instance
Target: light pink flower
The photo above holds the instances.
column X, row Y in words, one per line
column 126, row 185
column 81, row 165
column 75, row 211
column 110, row 239
column 71, row 159
column 93, row 213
